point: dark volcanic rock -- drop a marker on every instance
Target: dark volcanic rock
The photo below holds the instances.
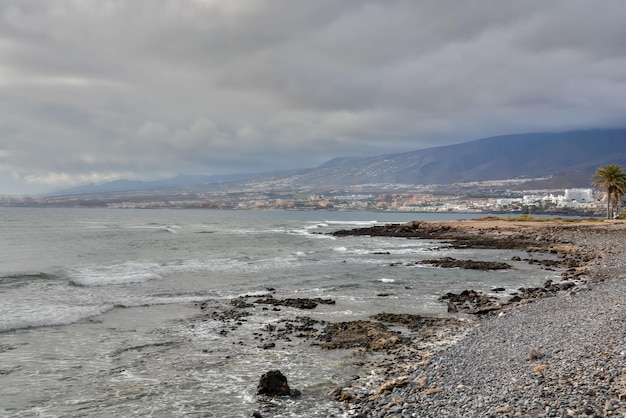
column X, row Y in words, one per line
column 458, row 237
column 370, row 335
column 299, row 303
column 241, row 303
column 449, row 262
column 472, row 302
column 274, row 383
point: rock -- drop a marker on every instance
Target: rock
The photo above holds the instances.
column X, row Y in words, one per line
column 540, row 368
column 299, row 303
column 346, row 397
column 534, row 355
column 336, row 393
column 359, row 334
column 472, row 302
column 421, row 382
column 274, row 383
column 452, row 308
column 241, row 303
column 432, row 391
column 449, row 262
column 257, row 414
column 389, row 385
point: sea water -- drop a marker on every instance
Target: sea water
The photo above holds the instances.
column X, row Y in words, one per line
column 99, row 309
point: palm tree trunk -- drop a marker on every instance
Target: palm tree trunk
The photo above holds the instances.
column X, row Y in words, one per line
column 608, row 205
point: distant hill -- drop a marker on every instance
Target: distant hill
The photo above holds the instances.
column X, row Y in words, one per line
column 166, row 185
column 502, row 157
column 566, row 160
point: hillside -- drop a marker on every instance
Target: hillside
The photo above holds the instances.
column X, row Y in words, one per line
column 502, row 157
column 565, row 159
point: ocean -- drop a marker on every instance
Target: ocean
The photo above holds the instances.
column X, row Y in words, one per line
column 100, row 308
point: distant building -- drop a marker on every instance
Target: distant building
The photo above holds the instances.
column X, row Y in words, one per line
column 576, row 198
column 579, row 196
column 572, row 198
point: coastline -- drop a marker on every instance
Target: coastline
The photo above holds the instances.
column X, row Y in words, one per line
column 553, row 354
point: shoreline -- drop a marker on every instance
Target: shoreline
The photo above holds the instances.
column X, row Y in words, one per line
column 542, row 357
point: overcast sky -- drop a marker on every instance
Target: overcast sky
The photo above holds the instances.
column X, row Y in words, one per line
column 92, row 91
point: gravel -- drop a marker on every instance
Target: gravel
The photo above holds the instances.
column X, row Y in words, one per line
column 561, row 356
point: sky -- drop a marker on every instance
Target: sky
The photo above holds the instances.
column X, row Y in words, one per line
column 97, row 90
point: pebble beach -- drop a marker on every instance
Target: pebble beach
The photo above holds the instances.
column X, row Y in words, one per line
column 560, row 355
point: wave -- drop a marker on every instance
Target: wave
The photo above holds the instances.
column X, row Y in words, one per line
column 316, row 226
column 160, row 300
column 28, row 277
column 116, row 274
column 47, row 315
column 357, row 223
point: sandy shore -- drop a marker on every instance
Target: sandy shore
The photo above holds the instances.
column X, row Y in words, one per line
column 562, row 354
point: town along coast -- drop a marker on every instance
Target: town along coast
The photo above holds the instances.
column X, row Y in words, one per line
column 557, row 350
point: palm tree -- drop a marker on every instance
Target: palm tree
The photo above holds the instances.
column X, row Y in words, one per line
column 612, row 179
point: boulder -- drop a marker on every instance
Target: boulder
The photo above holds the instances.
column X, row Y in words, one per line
column 274, row 383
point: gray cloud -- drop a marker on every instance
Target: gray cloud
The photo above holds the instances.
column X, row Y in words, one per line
column 102, row 89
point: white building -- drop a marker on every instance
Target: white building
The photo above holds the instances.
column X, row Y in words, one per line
column 573, row 198
column 577, row 196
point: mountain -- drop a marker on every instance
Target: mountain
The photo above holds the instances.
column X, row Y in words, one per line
column 566, row 160
column 497, row 158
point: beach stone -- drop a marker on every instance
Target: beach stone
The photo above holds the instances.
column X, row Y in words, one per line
column 534, row 355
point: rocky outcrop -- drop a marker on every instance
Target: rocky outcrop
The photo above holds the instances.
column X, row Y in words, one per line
column 299, row 303
column 478, row 303
column 457, row 237
column 449, row 262
column 369, row 335
column 471, row 302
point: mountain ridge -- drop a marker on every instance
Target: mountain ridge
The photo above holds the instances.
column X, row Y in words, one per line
column 501, row 157
column 515, row 156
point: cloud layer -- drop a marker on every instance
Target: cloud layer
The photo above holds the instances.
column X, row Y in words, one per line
column 103, row 89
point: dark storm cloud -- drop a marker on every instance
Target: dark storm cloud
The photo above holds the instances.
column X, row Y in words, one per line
column 102, row 89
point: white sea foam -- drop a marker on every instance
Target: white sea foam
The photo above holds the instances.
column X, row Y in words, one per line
column 358, row 223
column 340, row 249
column 317, row 226
column 386, row 280
column 42, row 315
column 160, row 300
column 233, row 264
column 116, row 274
